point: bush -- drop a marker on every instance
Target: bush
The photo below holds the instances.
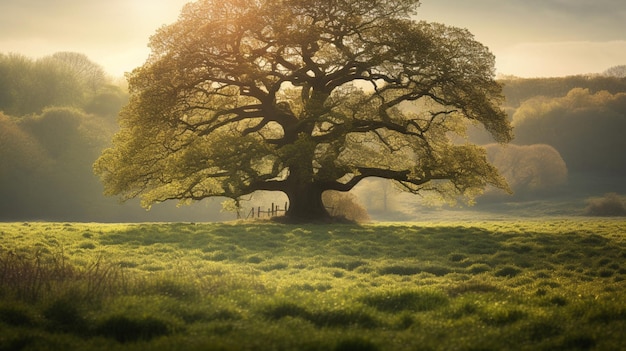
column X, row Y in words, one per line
column 345, row 205
column 609, row 205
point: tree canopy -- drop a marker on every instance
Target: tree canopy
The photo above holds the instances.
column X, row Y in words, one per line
column 302, row 97
column 63, row 79
column 585, row 127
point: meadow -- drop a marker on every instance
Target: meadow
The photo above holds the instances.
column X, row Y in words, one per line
column 532, row 284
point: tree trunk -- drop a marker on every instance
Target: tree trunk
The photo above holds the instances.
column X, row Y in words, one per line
column 305, row 203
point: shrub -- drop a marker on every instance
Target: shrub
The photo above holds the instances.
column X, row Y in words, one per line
column 345, row 205
column 609, row 205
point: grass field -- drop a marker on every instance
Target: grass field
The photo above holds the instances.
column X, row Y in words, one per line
column 554, row 284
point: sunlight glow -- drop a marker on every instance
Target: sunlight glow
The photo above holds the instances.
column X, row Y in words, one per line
column 560, row 58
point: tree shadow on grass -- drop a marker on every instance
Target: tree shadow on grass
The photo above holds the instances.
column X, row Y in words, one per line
column 342, row 239
column 446, row 249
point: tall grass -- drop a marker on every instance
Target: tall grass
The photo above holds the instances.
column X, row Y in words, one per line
column 40, row 275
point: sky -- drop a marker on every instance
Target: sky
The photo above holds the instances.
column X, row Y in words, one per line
column 530, row 38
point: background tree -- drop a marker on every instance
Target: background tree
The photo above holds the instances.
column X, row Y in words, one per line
column 532, row 171
column 609, row 205
column 616, row 71
column 59, row 147
column 107, row 102
column 22, row 163
column 87, row 73
column 378, row 195
column 303, row 97
column 518, row 90
column 64, row 79
column 585, row 128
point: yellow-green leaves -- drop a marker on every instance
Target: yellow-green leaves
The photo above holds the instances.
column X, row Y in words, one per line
column 241, row 96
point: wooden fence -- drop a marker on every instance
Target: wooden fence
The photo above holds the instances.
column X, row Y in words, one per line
column 275, row 210
column 259, row 212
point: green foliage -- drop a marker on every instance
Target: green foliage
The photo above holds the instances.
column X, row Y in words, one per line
column 236, row 99
column 64, row 130
column 531, row 170
column 107, row 102
column 49, row 143
column 345, row 205
column 47, row 148
column 23, row 161
column 548, row 285
column 63, row 79
column 518, row 90
column 49, row 157
column 582, row 126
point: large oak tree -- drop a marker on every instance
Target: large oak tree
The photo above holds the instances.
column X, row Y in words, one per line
column 304, row 96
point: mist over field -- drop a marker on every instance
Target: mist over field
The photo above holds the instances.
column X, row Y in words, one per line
column 59, row 113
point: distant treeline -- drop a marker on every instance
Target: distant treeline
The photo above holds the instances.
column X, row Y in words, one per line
column 518, row 90
column 58, row 113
